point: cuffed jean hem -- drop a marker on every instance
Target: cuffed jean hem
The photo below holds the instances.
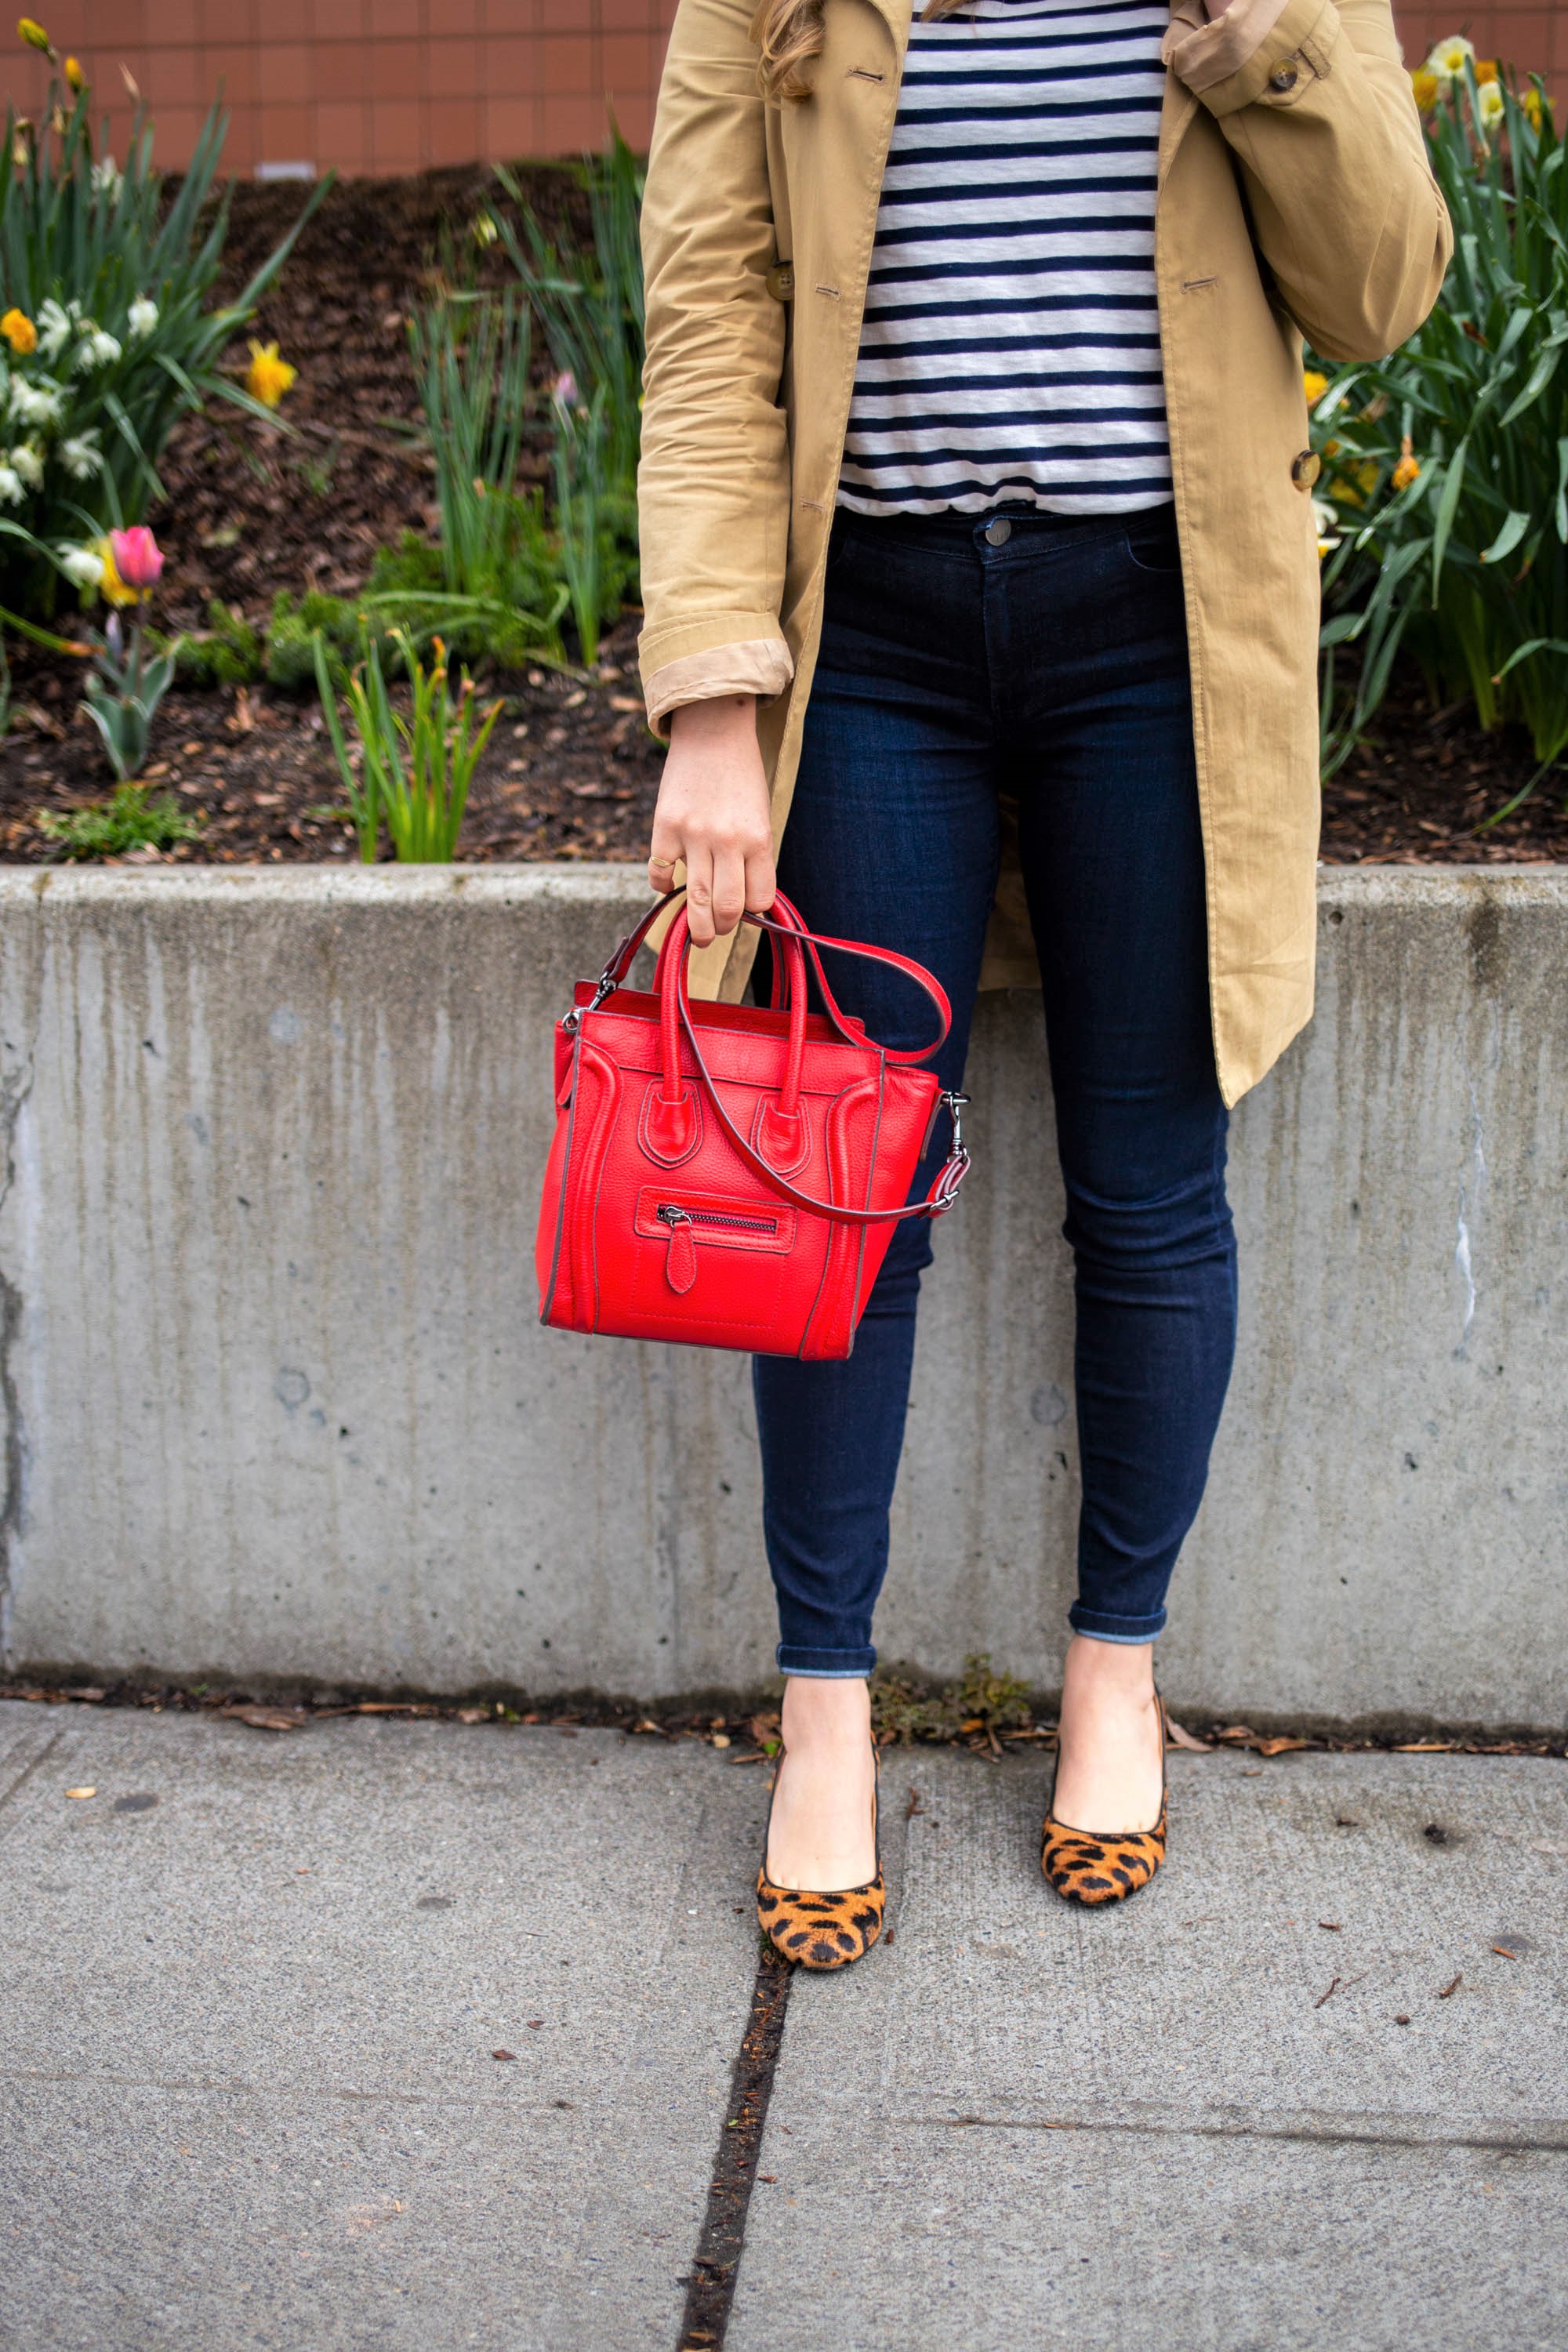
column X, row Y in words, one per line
column 828, row 1665
column 1101, row 1628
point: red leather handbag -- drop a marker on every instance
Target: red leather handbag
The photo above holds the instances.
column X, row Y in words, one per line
column 728, row 1174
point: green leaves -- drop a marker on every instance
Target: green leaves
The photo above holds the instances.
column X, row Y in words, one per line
column 1465, row 566
column 413, row 773
column 117, row 285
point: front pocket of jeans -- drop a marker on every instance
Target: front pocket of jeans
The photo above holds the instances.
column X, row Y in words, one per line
column 1155, row 551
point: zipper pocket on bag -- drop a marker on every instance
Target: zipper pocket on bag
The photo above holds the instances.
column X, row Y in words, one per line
column 721, row 1225
column 670, row 1212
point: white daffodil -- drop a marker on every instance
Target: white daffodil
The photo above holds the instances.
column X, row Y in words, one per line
column 1448, row 58
column 107, row 176
column 1493, row 107
column 81, row 456
column 81, row 566
column 96, row 349
column 143, row 316
column 27, row 462
column 57, row 327
column 13, row 489
column 1325, row 518
column 38, row 402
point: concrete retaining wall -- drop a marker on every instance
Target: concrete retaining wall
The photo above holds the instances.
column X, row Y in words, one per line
column 276, row 1403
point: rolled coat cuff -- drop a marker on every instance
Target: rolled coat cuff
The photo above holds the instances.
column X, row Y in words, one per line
column 759, row 665
column 1233, row 62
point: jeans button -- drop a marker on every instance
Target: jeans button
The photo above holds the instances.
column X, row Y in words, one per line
column 999, row 532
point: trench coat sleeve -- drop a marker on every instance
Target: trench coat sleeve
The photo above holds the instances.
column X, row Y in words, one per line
column 713, row 484
column 1320, row 116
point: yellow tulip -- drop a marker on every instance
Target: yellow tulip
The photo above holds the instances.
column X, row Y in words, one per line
column 19, row 332
column 112, row 585
column 1314, row 384
column 268, row 377
column 1424, row 84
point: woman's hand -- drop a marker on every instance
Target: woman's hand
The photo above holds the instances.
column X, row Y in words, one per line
column 714, row 814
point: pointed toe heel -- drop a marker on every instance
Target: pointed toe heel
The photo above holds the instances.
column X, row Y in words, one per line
column 1090, row 1866
column 828, row 1930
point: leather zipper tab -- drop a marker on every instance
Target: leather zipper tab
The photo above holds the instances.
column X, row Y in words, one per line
column 681, row 1259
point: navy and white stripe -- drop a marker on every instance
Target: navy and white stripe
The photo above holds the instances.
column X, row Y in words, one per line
column 1011, row 344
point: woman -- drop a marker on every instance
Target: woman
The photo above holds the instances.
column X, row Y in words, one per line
column 976, row 518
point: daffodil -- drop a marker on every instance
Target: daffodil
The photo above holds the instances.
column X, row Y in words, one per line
column 57, row 326
column 81, row 456
column 1406, row 471
column 38, row 403
column 96, row 349
column 1325, row 518
column 13, row 489
column 19, row 332
column 1449, row 58
column 267, row 378
column 1424, row 87
column 1486, row 70
column 27, row 462
column 1314, row 384
column 1492, row 106
column 109, row 580
column 485, row 229
column 74, row 76
column 82, row 566
column 1534, row 107
column 142, row 317
column 106, row 177
column 34, row 34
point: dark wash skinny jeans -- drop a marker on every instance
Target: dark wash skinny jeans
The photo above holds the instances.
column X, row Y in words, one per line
column 1052, row 668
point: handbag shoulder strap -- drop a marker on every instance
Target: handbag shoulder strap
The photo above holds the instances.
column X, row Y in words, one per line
column 944, row 1186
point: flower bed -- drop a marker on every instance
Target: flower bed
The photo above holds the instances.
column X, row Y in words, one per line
column 306, row 505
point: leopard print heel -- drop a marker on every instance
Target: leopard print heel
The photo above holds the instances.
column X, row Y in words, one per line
column 824, row 1931
column 1087, row 1867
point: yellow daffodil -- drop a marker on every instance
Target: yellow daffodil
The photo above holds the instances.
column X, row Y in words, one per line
column 112, row 585
column 19, row 332
column 34, row 34
column 268, row 377
column 1534, row 107
column 1314, row 384
column 1355, row 492
column 1486, row 70
column 1423, row 85
column 1407, row 470
column 1492, row 106
column 74, row 76
column 1450, row 57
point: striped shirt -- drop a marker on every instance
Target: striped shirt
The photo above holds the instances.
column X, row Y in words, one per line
column 1011, row 343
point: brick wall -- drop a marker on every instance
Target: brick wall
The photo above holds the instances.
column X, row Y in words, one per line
column 395, row 85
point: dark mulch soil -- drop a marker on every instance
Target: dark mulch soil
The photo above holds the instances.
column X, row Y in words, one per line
column 571, row 770
column 749, row 1726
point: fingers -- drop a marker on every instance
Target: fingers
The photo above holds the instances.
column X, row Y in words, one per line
column 762, row 880
column 700, row 893
column 729, row 886
column 664, row 852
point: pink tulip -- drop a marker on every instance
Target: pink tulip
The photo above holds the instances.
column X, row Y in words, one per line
column 138, row 558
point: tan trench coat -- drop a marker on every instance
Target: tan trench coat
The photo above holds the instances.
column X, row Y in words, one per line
column 1294, row 195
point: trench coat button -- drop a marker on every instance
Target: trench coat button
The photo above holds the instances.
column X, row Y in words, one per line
column 1000, row 532
column 780, row 280
column 1285, row 79
column 1305, row 469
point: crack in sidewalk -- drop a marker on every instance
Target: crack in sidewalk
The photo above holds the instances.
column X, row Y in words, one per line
column 710, row 2283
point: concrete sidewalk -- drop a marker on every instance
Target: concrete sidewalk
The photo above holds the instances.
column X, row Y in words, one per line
column 247, row 2096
